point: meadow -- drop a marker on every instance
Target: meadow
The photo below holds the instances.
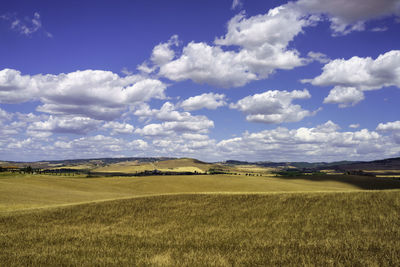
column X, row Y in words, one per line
column 199, row 220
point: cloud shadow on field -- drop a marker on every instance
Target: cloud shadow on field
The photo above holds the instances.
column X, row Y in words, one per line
column 362, row 182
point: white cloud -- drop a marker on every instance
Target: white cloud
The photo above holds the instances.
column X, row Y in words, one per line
column 138, row 144
column 354, row 126
column 353, row 76
column 162, row 53
column 196, row 124
column 262, row 43
column 379, row 29
column 255, row 47
column 390, row 126
column 119, row 128
column 166, row 113
column 5, row 116
column 90, row 93
column 174, row 122
column 26, row 26
column 20, row 144
column 152, row 130
column 126, row 71
column 100, row 145
column 194, row 137
column 274, row 106
column 320, row 57
column 344, row 96
column 64, row 124
column 276, row 28
column 325, row 141
column 347, row 16
column 203, row 63
column 236, row 4
column 16, row 88
column 206, row 100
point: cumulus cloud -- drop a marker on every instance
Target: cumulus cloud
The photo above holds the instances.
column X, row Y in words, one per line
column 173, row 121
column 273, row 106
column 347, row 16
column 90, row 93
column 353, row 76
column 252, row 49
column 94, row 146
column 64, row 124
column 344, row 96
column 308, row 144
column 203, row 63
column 390, row 126
column 255, row 47
column 16, row 88
column 119, row 128
column 206, row 100
column 263, row 29
column 196, row 124
column 162, row 53
column 26, row 26
column 166, row 113
column 4, row 115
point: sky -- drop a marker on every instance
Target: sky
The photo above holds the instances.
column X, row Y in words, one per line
column 306, row 80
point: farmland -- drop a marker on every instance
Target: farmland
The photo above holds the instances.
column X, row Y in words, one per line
column 353, row 228
column 19, row 191
column 249, row 217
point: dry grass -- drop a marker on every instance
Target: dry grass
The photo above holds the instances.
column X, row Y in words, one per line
column 255, row 169
column 175, row 165
column 283, row 229
column 126, row 166
column 183, row 163
column 35, row 191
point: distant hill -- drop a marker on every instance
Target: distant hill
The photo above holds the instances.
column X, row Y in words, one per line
column 163, row 164
column 299, row 165
column 130, row 164
column 384, row 164
column 92, row 162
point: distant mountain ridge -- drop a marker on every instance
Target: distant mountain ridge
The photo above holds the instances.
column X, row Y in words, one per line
column 383, row 164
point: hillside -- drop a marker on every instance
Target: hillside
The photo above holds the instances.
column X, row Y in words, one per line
column 36, row 191
column 385, row 164
column 78, row 163
column 168, row 165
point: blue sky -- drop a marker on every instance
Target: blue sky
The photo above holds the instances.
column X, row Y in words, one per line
column 306, row 80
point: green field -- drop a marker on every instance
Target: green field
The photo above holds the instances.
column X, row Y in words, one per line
column 212, row 220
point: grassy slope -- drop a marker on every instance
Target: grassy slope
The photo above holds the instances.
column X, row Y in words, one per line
column 178, row 165
column 27, row 191
column 353, row 229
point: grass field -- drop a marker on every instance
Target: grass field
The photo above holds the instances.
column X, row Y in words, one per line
column 36, row 191
column 320, row 229
column 199, row 220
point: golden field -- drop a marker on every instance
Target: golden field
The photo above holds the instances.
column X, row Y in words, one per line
column 199, row 220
